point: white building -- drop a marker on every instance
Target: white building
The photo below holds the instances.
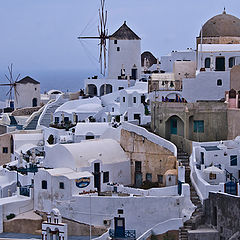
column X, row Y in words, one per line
column 124, row 64
column 77, row 110
column 54, row 228
column 134, row 103
column 105, row 157
column 215, row 166
column 27, row 93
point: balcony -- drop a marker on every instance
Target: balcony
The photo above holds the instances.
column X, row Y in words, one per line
column 128, row 234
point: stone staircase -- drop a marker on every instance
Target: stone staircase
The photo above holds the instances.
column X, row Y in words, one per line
column 33, row 124
column 196, row 217
column 46, row 117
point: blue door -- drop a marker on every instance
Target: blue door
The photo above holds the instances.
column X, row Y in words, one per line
column 119, row 224
column 173, row 125
column 231, row 188
column 138, row 179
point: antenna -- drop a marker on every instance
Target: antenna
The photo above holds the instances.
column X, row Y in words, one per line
column 103, row 36
column 12, row 84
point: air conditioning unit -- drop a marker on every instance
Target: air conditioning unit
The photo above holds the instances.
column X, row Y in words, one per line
column 107, row 222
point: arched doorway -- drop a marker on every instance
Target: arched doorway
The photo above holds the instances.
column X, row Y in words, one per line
column 105, row 89
column 34, row 102
column 92, row 90
column 174, row 126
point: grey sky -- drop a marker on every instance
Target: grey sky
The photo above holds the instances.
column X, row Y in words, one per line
column 42, row 34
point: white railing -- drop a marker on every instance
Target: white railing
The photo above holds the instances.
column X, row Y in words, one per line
column 60, row 99
column 33, row 116
column 163, row 227
column 151, row 137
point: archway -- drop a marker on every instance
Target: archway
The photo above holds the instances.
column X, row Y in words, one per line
column 105, row 89
column 174, row 126
column 92, row 90
column 34, row 102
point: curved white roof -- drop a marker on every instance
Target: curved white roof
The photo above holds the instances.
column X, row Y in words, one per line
column 89, row 105
column 139, row 87
column 78, row 155
column 212, row 169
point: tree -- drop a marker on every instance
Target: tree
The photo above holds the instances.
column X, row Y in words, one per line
column 50, row 139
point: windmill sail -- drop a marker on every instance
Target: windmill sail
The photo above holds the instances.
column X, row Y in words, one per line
column 103, row 36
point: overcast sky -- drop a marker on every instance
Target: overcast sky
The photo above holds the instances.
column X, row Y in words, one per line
column 42, row 34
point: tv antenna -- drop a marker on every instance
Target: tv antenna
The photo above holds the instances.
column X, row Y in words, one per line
column 103, row 36
column 12, row 84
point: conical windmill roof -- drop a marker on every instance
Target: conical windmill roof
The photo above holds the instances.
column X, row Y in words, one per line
column 125, row 33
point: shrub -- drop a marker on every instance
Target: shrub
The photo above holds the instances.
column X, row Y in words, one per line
column 50, row 139
column 10, row 216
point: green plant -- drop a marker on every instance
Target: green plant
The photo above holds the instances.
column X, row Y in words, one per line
column 10, row 216
column 50, row 139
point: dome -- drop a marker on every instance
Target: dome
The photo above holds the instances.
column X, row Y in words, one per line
column 222, row 25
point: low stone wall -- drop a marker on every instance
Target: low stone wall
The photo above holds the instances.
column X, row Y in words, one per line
column 29, row 226
column 25, row 111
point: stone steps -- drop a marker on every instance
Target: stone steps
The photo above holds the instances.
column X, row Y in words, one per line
column 183, row 158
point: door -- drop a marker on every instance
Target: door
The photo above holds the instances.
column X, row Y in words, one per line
column 97, row 176
column 231, row 188
column 119, row 225
column 138, row 174
column 173, row 126
column 34, row 102
column 137, row 117
column 202, row 158
column 220, row 64
column 134, row 73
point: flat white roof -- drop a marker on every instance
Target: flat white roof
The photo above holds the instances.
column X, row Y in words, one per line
column 96, row 128
column 26, row 137
column 219, row 47
column 140, row 87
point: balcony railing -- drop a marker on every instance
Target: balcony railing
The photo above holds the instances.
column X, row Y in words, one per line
column 128, row 234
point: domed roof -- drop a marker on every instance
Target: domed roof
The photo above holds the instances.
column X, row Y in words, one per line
column 222, row 25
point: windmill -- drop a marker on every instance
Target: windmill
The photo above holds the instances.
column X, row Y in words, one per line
column 12, row 84
column 103, row 36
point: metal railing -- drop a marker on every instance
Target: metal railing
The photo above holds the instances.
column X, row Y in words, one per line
column 130, row 234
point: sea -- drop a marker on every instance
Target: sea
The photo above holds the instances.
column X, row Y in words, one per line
column 64, row 80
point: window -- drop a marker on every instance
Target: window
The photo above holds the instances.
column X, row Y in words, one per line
column 233, row 160
column 138, row 167
column 207, row 62
column 199, row 126
column 105, row 177
column 4, row 150
column 120, row 88
column 123, row 99
column 231, row 62
column 112, row 109
column 89, row 137
column 118, row 49
column 120, row 211
column 44, row 184
column 149, row 177
column 66, row 119
column 219, row 82
column 115, row 41
column 212, row 176
column 56, row 119
column 160, row 179
column 61, row 185
column 143, row 99
column 134, row 99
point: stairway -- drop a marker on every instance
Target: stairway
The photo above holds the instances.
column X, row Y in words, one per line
column 196, row 217
column 46, row 117
column 33, row 124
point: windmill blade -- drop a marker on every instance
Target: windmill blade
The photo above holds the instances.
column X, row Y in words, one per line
column 7, row 78
column 10, row 90
column 5, row 84
column 18, row 77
